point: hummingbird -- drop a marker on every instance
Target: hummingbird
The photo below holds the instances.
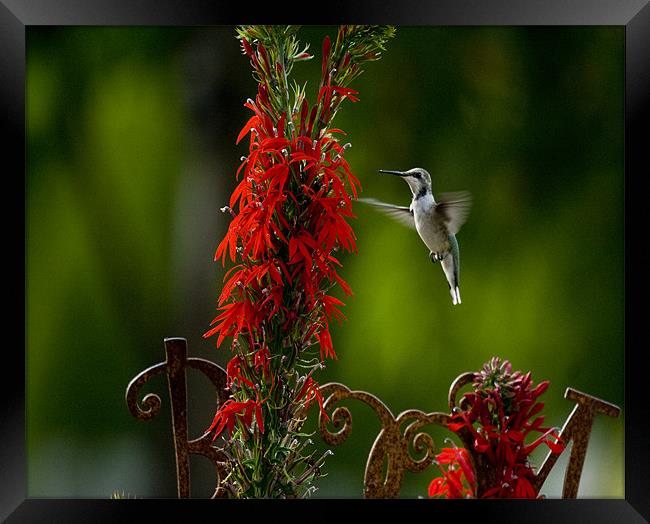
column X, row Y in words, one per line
column 436, row 222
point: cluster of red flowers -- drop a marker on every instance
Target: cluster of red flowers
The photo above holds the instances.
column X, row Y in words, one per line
column 289, row 217
column 497, row 417
column 458, row 479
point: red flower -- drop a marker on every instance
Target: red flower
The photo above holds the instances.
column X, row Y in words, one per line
column 458, row 479
column 276, row 250
column 231, row 411
column 261, row 360
column 310, row 391
column 325, row 341
column 499, row 415
column 236, row 318
column 234, row 372
column 330, row 304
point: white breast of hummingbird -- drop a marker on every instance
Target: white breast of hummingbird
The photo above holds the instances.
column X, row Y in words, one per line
column 432, row 232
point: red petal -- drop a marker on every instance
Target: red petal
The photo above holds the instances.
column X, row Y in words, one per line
column 455, row 426
column 252, row 122
column 437, row 487
column 555, row 447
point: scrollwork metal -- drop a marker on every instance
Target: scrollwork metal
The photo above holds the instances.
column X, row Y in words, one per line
column 341, row 417
column 393, row 448
column 390, row 447
column 460, row 381
column 174, row 367
column 151, row 400
column 410, row 449
column 422, row 443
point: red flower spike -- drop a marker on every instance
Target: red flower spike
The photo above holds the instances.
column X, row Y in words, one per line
column 290, row 212
column 499, row 413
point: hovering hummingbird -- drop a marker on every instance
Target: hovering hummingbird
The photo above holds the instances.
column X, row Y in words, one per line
column 436, row 222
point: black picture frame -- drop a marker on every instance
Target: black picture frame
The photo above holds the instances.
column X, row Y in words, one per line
column 634, row 15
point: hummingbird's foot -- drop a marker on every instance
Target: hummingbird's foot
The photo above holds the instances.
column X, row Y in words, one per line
column 436, row 257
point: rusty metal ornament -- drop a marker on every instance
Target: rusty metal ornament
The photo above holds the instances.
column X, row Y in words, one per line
column 174, row 367
column 407, row 449
column 576, row 429
column 391, row 444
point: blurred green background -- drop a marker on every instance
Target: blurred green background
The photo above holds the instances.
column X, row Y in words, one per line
column 131, row 153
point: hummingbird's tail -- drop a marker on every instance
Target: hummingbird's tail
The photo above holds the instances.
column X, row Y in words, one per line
column 455, row 295
column 451, row 268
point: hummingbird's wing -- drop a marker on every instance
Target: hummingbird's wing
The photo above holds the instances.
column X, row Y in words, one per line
column 400, row 213
column 453, row 209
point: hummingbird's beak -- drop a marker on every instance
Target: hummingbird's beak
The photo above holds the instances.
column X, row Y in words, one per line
column 398, row 173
